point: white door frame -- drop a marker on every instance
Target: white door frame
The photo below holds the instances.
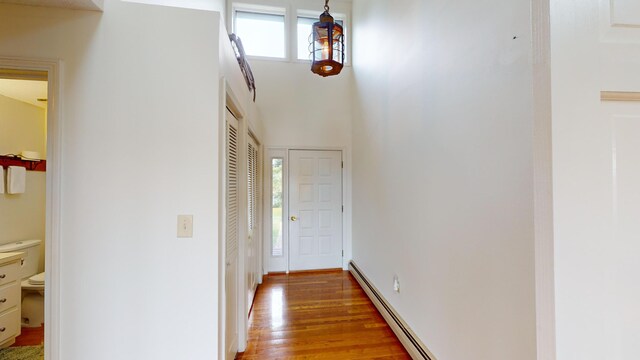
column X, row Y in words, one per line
column 53, row 192
column 229, row 99
column 267, row 234
column 256, row 237
column 231, row 121
column 298, row 207
column 283, row 152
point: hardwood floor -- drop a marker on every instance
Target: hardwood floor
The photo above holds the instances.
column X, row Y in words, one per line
column 30, row 336
column 317, row 315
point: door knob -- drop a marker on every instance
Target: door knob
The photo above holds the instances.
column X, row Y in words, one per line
column 293, row 218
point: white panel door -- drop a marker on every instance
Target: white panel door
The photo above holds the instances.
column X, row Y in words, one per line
column 232, row 224
column 596, row 145
column 622, row 290
column 315, row 209
column 620, row 71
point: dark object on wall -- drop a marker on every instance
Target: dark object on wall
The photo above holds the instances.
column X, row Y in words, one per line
column 327, row 45
column 30, row 165
column 236, row 44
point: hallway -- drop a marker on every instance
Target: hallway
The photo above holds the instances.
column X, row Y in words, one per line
column 317, row 315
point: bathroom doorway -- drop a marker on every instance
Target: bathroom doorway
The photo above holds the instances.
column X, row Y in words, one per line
column 23, row 154
column 29, row 183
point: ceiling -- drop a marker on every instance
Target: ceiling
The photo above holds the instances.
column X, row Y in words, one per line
column 69, row 4
column 28, row 91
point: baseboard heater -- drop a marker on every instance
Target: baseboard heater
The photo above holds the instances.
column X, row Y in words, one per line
column 407, row 337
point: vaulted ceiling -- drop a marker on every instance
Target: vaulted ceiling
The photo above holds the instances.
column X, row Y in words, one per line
column 69, row 4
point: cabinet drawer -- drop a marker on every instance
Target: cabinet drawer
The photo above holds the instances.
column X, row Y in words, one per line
column 9, row 272
column 9, row 324
column 9, row 296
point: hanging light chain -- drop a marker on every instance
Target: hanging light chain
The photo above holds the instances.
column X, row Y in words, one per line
column 326, row 5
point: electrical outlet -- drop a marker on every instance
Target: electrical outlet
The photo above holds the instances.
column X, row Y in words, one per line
column 396, row 284
column 185, row 226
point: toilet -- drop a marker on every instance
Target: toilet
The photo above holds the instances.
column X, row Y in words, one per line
column 32, row 281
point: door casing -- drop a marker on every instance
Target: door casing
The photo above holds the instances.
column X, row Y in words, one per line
column 53, row 198
column 271, row 152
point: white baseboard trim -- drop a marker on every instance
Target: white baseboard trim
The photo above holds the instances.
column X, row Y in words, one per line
column 407, row 337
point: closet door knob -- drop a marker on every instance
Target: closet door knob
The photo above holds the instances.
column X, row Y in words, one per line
column 3, row 276
column 3, row 300
column 2, row 329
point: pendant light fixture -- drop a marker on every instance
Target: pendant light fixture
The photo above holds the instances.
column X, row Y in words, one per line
column 327, row 45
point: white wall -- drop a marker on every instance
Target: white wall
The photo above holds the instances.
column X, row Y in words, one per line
column 139, row 125
column 23, row 127
column 443, row 171
column 211, row 5
column 291, row 99
column 300, row 109
column 69, row 4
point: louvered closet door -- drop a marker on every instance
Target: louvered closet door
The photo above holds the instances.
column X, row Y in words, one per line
column 252, row 204
column 231, row 236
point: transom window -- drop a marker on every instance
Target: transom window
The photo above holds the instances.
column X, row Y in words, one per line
column 262, row 34
column 266, row 32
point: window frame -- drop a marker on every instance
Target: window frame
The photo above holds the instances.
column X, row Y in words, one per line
column 291, row 10
column 283, row 221
column 266, row 10
column 278, row 263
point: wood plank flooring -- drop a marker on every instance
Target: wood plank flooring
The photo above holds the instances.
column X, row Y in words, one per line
column 30, row 336
column 317, row 315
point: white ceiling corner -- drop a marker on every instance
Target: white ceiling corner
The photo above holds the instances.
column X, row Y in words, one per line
column 96, row 5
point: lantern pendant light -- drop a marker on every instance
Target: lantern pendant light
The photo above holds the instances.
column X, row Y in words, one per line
column 327, row 45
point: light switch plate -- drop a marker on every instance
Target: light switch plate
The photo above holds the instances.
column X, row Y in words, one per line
column 185, row 226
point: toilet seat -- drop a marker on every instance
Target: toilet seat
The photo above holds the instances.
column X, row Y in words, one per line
column 36, row 282
column 37, row 279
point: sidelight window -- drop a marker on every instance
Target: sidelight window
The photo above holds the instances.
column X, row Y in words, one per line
column 276, row 207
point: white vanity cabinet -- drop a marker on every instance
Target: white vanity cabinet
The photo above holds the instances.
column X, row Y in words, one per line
column 10, row 295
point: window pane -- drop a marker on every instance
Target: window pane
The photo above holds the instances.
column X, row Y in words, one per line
column 261, row 34
column 276, row 207
column 304, row 32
